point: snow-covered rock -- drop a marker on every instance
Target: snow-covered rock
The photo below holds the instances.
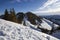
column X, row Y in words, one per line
column 45, row 25
column 14, row 31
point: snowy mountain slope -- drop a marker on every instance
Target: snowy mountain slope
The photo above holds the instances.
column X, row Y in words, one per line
column 32, row 20
column 46, row 24
column 14, row 31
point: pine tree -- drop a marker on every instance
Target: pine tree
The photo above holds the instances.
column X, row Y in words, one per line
column 12, row 15
column 6, row 15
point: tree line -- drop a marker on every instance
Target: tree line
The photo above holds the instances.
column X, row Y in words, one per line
column 11, row 15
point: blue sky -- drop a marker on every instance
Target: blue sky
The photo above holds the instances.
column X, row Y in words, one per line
column 40, row 7
column 21, row 5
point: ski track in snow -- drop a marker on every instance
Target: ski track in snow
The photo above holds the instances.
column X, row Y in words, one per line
column 14, row 31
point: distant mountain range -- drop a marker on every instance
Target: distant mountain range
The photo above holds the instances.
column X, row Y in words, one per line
column 54, row 18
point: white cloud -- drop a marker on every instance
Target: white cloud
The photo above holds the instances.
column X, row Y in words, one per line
column 48, row 11
column 51, row 6
column 49, row 2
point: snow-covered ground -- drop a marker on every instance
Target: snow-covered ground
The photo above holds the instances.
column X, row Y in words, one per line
column 14, row 31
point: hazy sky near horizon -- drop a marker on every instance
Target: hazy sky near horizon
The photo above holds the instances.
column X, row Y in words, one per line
column 42, row 7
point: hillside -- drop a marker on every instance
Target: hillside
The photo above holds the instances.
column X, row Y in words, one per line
column 14, row 31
